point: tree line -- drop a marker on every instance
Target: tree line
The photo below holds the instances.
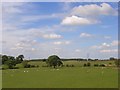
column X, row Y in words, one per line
column 11, row 61
column 52, row 61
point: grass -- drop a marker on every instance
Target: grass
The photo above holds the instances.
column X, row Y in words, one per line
column 65, row 77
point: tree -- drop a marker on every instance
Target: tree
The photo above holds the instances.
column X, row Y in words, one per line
column 117, row 62
column 10, row 63
column 19, row 59
column 112, row 58
column 54, row 60
column 59, row 63
column 4, row 58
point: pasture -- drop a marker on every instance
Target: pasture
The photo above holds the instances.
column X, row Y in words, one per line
column 62, row 77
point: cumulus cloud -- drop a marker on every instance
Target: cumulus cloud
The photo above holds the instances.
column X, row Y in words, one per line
column 107, row 47
column 108, row 51
column 75, row 20
column 102, row 46
column 114, row 43
column 61, row 42
column 88, row 14
column 85, row 35
column 52, row 36
column 94, row 10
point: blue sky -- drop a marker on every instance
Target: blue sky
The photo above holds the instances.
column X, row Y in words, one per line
column 70, row 30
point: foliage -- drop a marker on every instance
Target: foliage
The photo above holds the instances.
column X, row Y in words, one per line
column 10, row 64
column 102, row 65
column 19, row 59
column 87, row 64
column 96, row 65
column 4, row 58
column 71, row 65
column 117, row 62
column 54, row 60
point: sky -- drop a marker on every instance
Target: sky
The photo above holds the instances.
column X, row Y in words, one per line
column 66, row 29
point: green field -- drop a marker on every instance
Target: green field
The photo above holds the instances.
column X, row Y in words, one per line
column 63, row 77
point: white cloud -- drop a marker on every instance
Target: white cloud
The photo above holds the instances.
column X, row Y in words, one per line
column 32, row 18
column 12, row 7
column 77, row 50
column 114, row 43
column 88, row 14
column 52, row 36
column 105, row 45
column 107, row 37
column 48, row 33
column 75, row 20
column 61, row 42
column 85, row 35
column 102, row 46
column 107, row 48
column 94, row 10
column 109, row 51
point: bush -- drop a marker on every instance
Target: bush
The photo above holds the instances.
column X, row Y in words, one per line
column 85, row 65
column 27, row 66
column 88, row 64
column 96, row 65
column 37, row 65
column 67, row 65
column 72, row 65
column 15, row 68
column 102, row 65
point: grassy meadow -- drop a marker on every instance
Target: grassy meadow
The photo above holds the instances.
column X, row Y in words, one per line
column 62, row 77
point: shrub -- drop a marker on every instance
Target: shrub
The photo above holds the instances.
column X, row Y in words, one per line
column 96, row 65
column 67, row 65
column 15, row 68
column 72, row 65
column 102, row 65
column 27, row 66
column 85, row 65
column 88, row 64
column 37, row 65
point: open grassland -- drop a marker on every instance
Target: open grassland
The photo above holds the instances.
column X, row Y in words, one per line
column 63, row 77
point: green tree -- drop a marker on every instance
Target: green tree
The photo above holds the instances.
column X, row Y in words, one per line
column 59, row 63
column 54, row 61
column 117, row 62
column 10, row 63
column 4, row 58
column 19, row 59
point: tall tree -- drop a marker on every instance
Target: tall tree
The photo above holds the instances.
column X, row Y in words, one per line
column 19, row 59
column 54, row 61
column 4, row 58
